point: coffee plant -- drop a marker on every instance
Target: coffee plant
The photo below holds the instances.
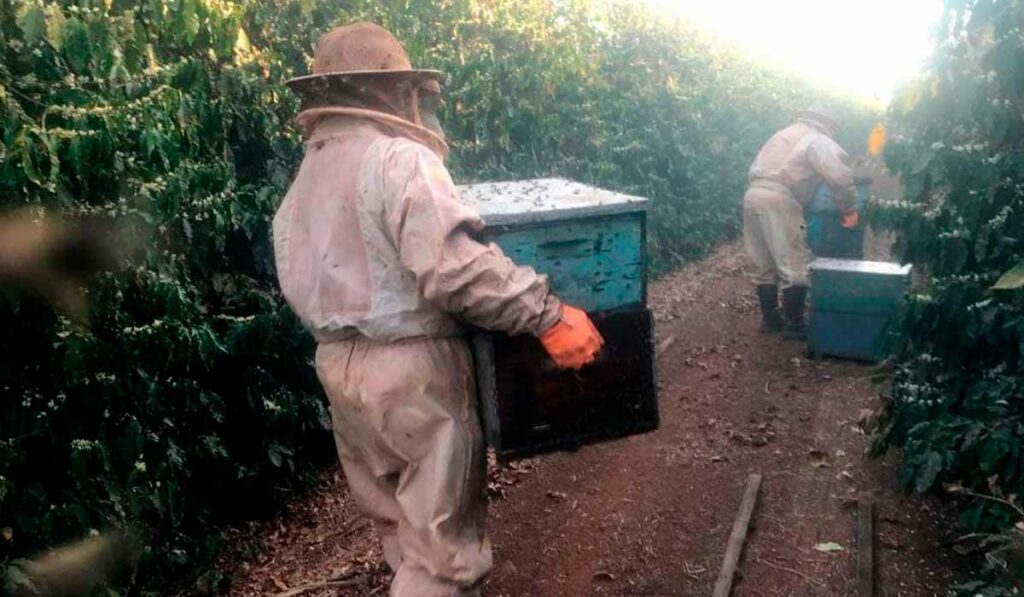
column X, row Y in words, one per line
column 187, row 401
column 957, row 398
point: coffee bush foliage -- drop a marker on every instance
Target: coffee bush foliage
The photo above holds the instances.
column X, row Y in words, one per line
column 958, row 396
column 188, row 401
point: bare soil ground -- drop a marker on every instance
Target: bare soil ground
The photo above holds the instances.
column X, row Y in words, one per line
column 651, row 515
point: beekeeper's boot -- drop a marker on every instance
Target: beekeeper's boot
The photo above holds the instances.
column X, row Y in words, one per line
column 771, row 319
column 793, row 299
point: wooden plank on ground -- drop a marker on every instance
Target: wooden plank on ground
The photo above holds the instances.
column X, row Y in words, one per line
column 865, row 548
column 726, row 576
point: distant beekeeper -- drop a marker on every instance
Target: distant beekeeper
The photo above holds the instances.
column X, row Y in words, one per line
column 377, row 256
column 782, row 179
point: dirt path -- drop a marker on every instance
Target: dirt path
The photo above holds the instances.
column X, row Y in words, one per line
column 650, row 515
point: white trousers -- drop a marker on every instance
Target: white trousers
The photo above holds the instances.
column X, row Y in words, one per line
column 409, row 439
column 774, row 234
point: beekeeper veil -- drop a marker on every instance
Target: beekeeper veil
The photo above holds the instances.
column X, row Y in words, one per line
column 362, row 70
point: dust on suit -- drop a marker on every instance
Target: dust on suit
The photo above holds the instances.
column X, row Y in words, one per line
column 781, row 180
column 375, row 254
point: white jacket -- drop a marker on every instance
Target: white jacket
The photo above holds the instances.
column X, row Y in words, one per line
column 799, row 158
column 371, row 240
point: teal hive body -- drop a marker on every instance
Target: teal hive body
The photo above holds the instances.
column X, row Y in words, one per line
column 852, row 305
column 590, row 243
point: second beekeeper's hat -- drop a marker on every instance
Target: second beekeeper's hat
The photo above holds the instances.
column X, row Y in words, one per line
column 822, row 114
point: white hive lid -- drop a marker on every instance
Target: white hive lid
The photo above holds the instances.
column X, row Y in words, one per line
column 544, row 200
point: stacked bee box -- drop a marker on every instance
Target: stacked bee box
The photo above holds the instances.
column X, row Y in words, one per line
column 591, row 244
column 853, row 305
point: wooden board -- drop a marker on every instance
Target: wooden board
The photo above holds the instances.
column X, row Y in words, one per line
column 865, row 548
column 727, row 574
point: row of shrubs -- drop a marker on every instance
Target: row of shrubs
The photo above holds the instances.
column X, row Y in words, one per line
column 957, row 397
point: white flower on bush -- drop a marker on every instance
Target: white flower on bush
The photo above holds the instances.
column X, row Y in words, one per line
column 140, row 466
column 134, row 330
column 271, row 405
column 82, row 445
column 979, row 305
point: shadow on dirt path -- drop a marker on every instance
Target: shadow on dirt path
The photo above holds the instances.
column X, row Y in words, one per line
column 651, row 515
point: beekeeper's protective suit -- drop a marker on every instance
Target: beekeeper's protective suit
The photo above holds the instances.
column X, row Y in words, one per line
column 376, row 256
column 782, row 180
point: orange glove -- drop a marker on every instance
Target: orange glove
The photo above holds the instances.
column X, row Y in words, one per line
column 574, row 341
column 850, row 220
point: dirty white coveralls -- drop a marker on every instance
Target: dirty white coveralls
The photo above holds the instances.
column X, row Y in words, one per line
column 782, row 178
column 374, row 254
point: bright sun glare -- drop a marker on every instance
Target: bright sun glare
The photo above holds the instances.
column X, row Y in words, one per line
column 866, row 47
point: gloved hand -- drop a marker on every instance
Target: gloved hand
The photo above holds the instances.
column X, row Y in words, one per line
column 574, row 341
column 851, row 219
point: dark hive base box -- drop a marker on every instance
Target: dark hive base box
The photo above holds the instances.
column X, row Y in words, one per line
column 529, row 407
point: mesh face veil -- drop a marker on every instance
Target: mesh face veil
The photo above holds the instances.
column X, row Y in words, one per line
column 414, row 98
column 429, row 102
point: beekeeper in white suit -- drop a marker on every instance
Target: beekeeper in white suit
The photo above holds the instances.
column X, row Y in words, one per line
column 782, row 180
column 376, row 255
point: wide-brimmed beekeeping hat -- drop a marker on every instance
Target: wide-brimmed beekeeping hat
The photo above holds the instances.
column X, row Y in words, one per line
column 353, row 52
column 821, row 114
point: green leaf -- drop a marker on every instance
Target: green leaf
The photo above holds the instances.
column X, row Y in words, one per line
column 921, row 162
column 55, row 22
column 276, row 452
column 928, row 472
column 1012, row 279
column 29, row 143
column 32, row 22
column 77, row 46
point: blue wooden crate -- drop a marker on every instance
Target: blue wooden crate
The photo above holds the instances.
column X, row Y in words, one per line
column 590, row 242
column 852, row 306
column 826, row 236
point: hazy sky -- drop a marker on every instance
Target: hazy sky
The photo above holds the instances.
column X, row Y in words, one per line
column 863, row 46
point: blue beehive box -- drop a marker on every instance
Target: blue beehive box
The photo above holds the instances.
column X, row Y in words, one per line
column 826, row 236
column 852, row 305
column 591, row 244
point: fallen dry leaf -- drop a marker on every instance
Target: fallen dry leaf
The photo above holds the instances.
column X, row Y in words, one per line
column 819, row 458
